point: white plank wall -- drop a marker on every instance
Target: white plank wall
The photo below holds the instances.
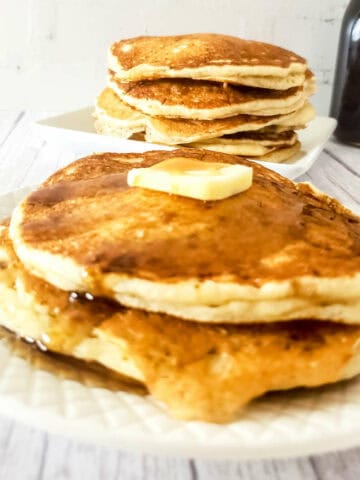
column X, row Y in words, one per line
column 29, row 454
column 53, row 52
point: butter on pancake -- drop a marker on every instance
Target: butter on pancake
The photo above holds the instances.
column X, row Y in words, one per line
column 114, row 117
column 207, row 56
column 193, row 178
column 277, row 251
column 198, row 371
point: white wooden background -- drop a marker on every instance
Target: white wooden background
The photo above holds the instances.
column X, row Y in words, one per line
column 52, row 52
column 29, row 454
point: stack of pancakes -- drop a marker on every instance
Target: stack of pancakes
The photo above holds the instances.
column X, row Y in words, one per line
column 207, row 91
column 206, row 304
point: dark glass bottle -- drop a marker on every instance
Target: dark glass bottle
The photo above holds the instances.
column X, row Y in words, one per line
column 345, row 104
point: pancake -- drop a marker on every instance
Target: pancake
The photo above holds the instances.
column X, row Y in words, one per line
column 59, row 321
column 203, row 100
column 128, row 120
column 112, row 119
column 234, row 148
column 207, row 57
column 266, row 137
column 252, row 151
column 115, row 118
column 281, row 154
column 268, row 81
column 250, row 144
column 198, row 371
column 277, row 251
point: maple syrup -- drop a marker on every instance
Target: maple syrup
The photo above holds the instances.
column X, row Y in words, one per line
column 90, row 374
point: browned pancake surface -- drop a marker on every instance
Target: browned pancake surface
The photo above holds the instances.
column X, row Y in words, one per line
column 200, row 371
column 208, row 372
column 198, row 50
column 113, row 106
column 78, row 316
column 88, row 213
column 264, row 135
column 190, row 127
column 200, row 94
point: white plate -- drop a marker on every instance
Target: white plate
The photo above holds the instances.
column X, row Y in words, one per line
column 284, row 424
column 75, row 130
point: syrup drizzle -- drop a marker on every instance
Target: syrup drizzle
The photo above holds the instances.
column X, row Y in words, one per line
column 90, row 374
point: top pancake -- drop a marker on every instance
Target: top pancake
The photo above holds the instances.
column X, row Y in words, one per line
column 277, row 251
column 206, row 56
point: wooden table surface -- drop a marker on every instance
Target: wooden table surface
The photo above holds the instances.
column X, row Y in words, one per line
column 29, row 454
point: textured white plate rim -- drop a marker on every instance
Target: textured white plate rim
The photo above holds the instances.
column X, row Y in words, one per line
column 305, row 431
column 152, row 444
column 75, row 131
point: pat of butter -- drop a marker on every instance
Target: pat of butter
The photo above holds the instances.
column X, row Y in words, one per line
column 193, row 178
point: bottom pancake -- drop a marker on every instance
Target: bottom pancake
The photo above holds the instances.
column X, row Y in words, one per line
column 199, row 371
column 265, row 146
column 263, row 154
column 282, row 154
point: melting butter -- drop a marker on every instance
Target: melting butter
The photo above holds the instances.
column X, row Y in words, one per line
column 193, row 178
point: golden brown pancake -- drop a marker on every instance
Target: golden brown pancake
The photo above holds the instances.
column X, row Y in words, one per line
column 250, row 144
column 266, row 137
column 209, row 373
column 206, row 56
column 77, row 318
column 278, row 251
column 203, row 100
column 114, row 117
column 128, row 121
column 253, row 151
column 199, row 371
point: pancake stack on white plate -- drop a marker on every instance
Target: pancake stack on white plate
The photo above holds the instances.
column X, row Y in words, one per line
column 207, row 91
column 207, row 304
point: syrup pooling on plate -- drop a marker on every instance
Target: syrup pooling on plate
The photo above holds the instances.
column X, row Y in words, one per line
column 51, row 323
column 90, row 374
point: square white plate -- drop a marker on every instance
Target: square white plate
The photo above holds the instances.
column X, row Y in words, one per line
column 75, row 131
